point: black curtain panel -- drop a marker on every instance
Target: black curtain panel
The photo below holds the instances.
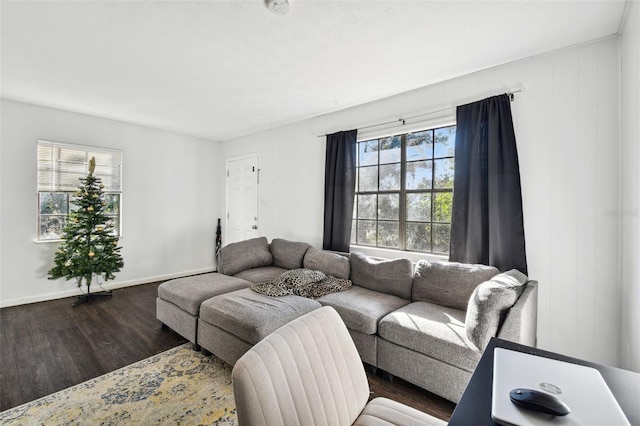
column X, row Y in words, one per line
column 487, row 222
column 339, row 190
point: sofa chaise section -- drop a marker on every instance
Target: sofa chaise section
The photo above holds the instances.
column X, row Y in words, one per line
column 178, row 302
column 230, row 324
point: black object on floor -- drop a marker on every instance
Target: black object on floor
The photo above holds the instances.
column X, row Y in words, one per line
column 92, row 296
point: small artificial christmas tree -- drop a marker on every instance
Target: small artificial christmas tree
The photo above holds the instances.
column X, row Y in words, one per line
column 90, row 245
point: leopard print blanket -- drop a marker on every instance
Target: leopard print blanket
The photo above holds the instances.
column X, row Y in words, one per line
column 302, row 282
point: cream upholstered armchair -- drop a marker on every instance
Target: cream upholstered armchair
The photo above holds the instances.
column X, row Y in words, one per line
column 308, row 372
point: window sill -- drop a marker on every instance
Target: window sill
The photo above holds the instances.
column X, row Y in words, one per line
column 61, row 240
column 413, row 256
column 46, row 241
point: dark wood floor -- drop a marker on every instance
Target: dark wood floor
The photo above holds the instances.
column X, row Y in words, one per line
column 46, row 347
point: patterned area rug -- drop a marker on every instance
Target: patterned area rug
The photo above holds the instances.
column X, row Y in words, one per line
column 179, row 386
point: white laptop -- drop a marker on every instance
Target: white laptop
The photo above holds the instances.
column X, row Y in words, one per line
column 582, row 388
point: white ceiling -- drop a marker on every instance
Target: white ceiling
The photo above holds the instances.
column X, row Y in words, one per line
column 224, row 69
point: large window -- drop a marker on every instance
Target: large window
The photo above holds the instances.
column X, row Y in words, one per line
column 60, row 166
column 404, row 191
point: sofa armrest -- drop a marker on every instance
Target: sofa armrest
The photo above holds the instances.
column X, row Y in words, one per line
column 521, row 322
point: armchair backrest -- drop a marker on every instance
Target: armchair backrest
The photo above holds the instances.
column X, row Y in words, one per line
column 306, row 372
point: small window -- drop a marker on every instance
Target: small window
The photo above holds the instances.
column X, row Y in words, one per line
column 404, row 191
column 60, row 167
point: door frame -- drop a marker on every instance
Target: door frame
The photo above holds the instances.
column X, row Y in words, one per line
column 228, row 160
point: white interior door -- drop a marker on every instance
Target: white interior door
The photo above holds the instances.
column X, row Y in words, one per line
column 242, row 198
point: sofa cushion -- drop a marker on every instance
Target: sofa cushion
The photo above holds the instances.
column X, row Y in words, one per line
column 288, row 254
column 189, row 292
column 386, row 276
column 330, row 263
column 361, row 309
column 247, row 254
column 261, row 275
column 433, row 330
column 251, row 316
column 489, row 304
column 448, row 283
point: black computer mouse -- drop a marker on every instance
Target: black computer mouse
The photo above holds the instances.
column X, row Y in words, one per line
column 539, row 401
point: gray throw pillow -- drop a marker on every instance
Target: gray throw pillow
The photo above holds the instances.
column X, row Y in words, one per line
column 330, row 263
column 288, row 254
column 386, row 276
column 489, row 303
column 448, row 283
column 243, row 255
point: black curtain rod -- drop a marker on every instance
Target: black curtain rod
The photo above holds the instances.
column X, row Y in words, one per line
column 511, row 95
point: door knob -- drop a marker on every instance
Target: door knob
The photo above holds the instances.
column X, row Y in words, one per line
column 254, row 227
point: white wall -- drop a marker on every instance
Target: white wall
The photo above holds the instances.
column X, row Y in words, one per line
column 171, row 200
column 630, row 211
column 567, row 129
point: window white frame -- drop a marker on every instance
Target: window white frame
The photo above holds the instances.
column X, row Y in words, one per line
column 446, row 120
column 59, row 167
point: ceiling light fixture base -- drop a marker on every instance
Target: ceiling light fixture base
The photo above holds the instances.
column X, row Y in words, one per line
column 279, row 7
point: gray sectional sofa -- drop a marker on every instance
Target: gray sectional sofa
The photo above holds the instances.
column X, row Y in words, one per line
column 426, row 323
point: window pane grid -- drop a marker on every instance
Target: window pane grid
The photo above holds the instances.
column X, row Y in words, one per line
column 404, row 191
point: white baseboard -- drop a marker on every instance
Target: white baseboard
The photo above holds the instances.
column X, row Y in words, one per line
column 107, row 286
